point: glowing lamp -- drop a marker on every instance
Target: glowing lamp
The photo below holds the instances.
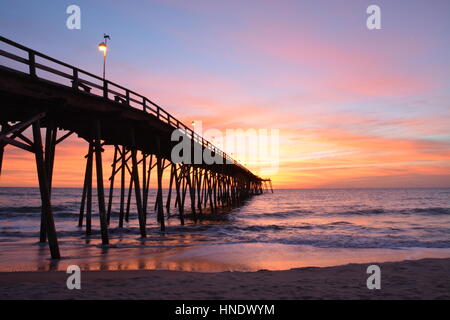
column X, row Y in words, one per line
column 103, row 47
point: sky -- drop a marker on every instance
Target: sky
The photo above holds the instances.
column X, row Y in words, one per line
column 354, row 108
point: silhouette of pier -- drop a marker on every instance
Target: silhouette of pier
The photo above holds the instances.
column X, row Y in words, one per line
column 39, row 92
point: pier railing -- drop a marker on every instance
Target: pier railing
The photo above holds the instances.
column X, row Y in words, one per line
column 78, row 80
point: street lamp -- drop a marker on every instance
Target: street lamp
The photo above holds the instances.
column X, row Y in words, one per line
column 103, row 47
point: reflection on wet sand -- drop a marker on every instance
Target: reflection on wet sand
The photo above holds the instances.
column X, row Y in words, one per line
column 212, row 258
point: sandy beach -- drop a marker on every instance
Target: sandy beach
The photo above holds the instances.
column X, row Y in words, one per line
column 420, row 279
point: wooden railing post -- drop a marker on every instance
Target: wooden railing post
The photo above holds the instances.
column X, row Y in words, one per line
column 32, row 63
column 105, row 89
column 75, row 79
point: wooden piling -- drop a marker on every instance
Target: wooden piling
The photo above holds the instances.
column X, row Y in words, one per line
column 214, row 183
column 130, row 191
column 147, row 185
column 211, row 205
column 2, row 148
column 183, row 185
column 90, row 159
column 178, row 199
column 198, row 182
column 169, row 195
column 86, row 199
column 135, row 176
column 45, row 192
column 111, row 185
column 122, row 188
column 144, row 184
column 49, row 157
column 191, row 191
column 100, row 190
column 159, row 195
column 83, row 198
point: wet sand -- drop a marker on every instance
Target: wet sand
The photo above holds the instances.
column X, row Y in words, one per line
column 419, row 279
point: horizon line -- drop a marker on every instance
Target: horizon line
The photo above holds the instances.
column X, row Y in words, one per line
column 312, row 188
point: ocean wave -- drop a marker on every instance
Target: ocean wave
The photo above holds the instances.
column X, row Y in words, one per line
column 359, row 212
column 437, row 210
column 362, row 212
column 23, row 209
column 278, row 214
column 411, row 211
column 349, row 242
column 261, row 228
column 33, row 209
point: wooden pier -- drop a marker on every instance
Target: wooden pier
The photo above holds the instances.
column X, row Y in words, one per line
column 55, row 96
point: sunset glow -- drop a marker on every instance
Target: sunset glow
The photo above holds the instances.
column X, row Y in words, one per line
column 354, row 107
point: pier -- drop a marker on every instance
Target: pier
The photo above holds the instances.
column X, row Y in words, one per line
column 43, row 94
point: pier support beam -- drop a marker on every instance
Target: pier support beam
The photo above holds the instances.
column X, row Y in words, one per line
column 178, row 198
column 122, row 187
column 49, row 159
column 191, row 186
column 111, row 185
column 169, row 195
column 86, row 199
column 2, row 149
column 147, row 185
column 159, row 197
column 137, row 189
column 100, row 189
column 198, row 184
column 45, row 192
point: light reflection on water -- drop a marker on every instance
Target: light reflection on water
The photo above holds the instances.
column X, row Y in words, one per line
column 287, row 229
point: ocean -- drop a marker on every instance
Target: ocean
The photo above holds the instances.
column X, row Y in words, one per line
column 279, row 231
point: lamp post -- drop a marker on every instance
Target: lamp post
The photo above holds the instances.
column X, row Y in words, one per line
column 103, row 47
